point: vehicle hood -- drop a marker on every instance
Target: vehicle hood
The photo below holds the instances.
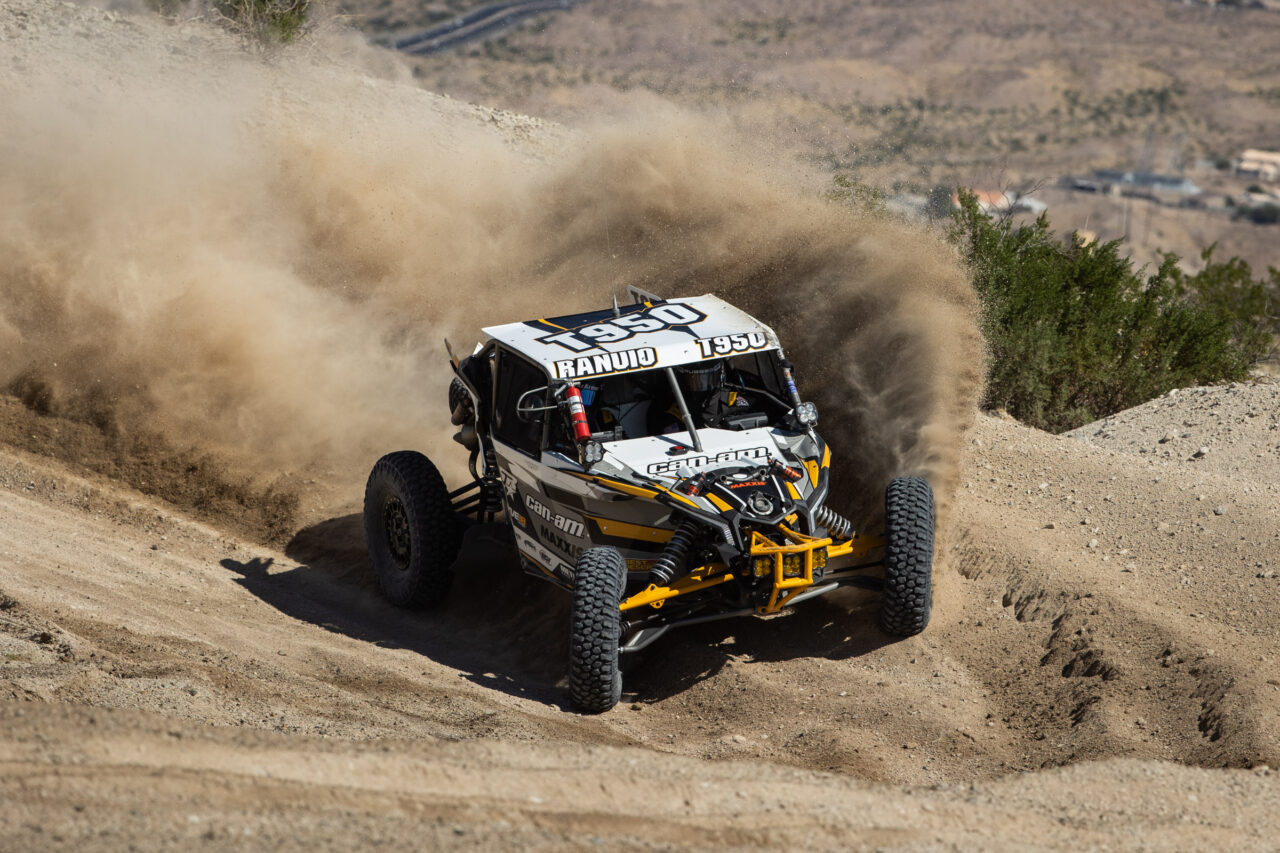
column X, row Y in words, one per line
column 662, row 457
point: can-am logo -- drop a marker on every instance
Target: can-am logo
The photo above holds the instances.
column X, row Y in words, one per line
column 564, row 524
column 672, row 465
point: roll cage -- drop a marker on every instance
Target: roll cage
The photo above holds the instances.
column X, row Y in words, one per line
column 518, row 400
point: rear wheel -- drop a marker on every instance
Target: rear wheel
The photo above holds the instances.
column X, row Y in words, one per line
column 595, row 679
column 411, row 530
column 908, row 558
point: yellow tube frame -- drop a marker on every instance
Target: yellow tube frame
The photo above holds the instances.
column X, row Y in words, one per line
column 700, row 578
column 784, row 588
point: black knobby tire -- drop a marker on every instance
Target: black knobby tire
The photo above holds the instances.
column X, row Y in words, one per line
column 458, row 395
column 595, row 679
column 908, row 557
column 412, row 533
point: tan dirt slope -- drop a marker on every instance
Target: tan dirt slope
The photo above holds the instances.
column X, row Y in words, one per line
column 1106, row 680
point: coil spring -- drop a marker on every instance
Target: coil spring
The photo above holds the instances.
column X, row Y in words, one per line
column 837, row 525
column 666, row 568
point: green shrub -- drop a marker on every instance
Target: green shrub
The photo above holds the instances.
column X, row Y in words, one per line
column 267, row 21
column 1264, row 214
column 1075, row 333
column 1228, row 288
column 849, row 189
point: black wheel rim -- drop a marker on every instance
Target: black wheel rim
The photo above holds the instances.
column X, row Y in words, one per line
column 396, row 524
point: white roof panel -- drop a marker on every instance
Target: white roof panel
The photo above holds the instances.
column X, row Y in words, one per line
column 645, row 336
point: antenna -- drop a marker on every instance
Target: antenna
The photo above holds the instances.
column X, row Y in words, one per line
column 608, row 245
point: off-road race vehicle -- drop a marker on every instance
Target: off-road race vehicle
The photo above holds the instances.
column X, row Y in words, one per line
column 655, row 461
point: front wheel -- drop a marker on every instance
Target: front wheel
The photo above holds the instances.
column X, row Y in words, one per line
column 908, row 557
column 595, row 679
column 411, row 529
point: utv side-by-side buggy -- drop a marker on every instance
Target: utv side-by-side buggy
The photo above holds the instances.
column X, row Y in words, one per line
column 654, row 460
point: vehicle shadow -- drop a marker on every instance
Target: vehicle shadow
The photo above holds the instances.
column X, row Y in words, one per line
column 509, row 632
column 839, row 626
column 498, row 627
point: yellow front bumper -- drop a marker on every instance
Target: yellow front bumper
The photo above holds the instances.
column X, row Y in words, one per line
column 790, row 565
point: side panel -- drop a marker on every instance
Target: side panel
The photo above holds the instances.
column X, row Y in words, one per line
column 551, row 541
column 638, row 527
column 556, row 515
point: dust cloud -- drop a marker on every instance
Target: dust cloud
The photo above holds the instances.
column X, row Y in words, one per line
column 260, row 257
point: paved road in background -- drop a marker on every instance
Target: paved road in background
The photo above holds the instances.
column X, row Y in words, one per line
column 478, row 23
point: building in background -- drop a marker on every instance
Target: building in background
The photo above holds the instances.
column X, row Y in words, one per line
column 1263, row 165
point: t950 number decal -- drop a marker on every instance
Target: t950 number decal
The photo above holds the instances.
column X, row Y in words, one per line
column 722, row 345
column 656, row 318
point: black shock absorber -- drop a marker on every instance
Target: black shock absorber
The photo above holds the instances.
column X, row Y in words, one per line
column 489, row 502
column 490, row 499
column 671, row 563
column 837, row 525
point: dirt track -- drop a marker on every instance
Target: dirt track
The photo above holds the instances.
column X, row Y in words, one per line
column 1100, row 670
column 218, row 688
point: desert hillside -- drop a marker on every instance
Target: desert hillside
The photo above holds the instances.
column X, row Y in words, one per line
column 1014, row 95
column 222, row 296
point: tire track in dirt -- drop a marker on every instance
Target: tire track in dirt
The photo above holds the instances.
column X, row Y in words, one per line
column 1040, row 655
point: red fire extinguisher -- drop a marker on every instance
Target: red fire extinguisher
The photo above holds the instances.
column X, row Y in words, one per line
column 578, row 414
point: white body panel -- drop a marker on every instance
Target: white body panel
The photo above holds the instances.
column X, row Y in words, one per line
column 653, row 457
column 665, row 334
